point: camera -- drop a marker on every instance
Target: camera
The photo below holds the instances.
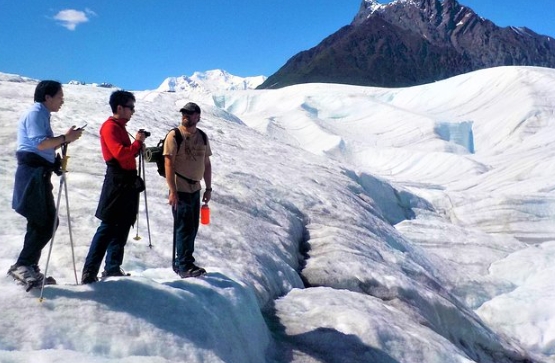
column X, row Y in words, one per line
column 146, row 133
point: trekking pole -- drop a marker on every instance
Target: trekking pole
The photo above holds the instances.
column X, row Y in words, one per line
column 174, row 251
column 70, row 232
column 142, row 161
column 55, row 224
column 137, row 237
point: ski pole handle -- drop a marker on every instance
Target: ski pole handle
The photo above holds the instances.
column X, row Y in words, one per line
column 64, row 163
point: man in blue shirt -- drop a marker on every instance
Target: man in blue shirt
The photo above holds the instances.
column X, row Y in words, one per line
column 36, row 160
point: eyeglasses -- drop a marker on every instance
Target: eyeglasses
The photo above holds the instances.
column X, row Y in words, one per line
column 132, row 108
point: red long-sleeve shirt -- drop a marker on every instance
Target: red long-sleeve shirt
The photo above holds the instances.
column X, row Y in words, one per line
column 116, row 144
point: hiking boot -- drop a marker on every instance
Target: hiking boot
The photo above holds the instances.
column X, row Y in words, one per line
column 40, row 276
column 88, row 278
column 25, row 274
column 192, row 271
column 119, row 272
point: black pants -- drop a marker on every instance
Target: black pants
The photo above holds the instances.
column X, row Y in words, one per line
column 33, row 198
column 36, row 238
column 109, row 240
column 186, row 223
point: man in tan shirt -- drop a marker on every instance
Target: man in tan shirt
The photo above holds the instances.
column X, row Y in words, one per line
column 186, row 164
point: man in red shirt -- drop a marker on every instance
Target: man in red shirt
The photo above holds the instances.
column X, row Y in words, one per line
column 119, row 199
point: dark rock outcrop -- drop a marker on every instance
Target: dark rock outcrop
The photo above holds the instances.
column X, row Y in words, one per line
column 411, row 42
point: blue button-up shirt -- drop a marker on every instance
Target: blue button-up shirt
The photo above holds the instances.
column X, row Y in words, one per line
column 33, row 128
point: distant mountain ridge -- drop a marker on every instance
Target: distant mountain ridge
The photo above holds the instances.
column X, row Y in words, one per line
column 210, row 81
column 410, row 42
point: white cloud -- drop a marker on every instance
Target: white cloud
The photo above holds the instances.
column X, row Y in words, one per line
column 90, row 12
column 70, row 18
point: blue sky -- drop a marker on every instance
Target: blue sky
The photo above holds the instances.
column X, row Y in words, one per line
column 137, row 44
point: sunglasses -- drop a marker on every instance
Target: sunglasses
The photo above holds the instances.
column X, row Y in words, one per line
column 132, row 108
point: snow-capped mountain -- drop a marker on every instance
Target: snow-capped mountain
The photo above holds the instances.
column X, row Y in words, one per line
column 210, row 81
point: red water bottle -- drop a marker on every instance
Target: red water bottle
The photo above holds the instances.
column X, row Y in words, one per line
column 205, row 214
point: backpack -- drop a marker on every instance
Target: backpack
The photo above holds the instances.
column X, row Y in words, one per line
column 155, row 154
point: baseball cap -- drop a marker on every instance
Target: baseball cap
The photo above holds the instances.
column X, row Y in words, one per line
column 190, row 108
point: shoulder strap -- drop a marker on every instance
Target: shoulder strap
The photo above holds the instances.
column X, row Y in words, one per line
column 204, row 137
column 178, row 138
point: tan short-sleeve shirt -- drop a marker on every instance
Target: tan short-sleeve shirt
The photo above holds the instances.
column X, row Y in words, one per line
column 189, row 160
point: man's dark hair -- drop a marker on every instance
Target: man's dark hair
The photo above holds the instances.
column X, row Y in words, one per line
column 46, row 88
column 120, row 98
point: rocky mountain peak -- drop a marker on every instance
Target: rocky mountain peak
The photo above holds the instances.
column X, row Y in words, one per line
column 427, row 17
column 410, row 42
